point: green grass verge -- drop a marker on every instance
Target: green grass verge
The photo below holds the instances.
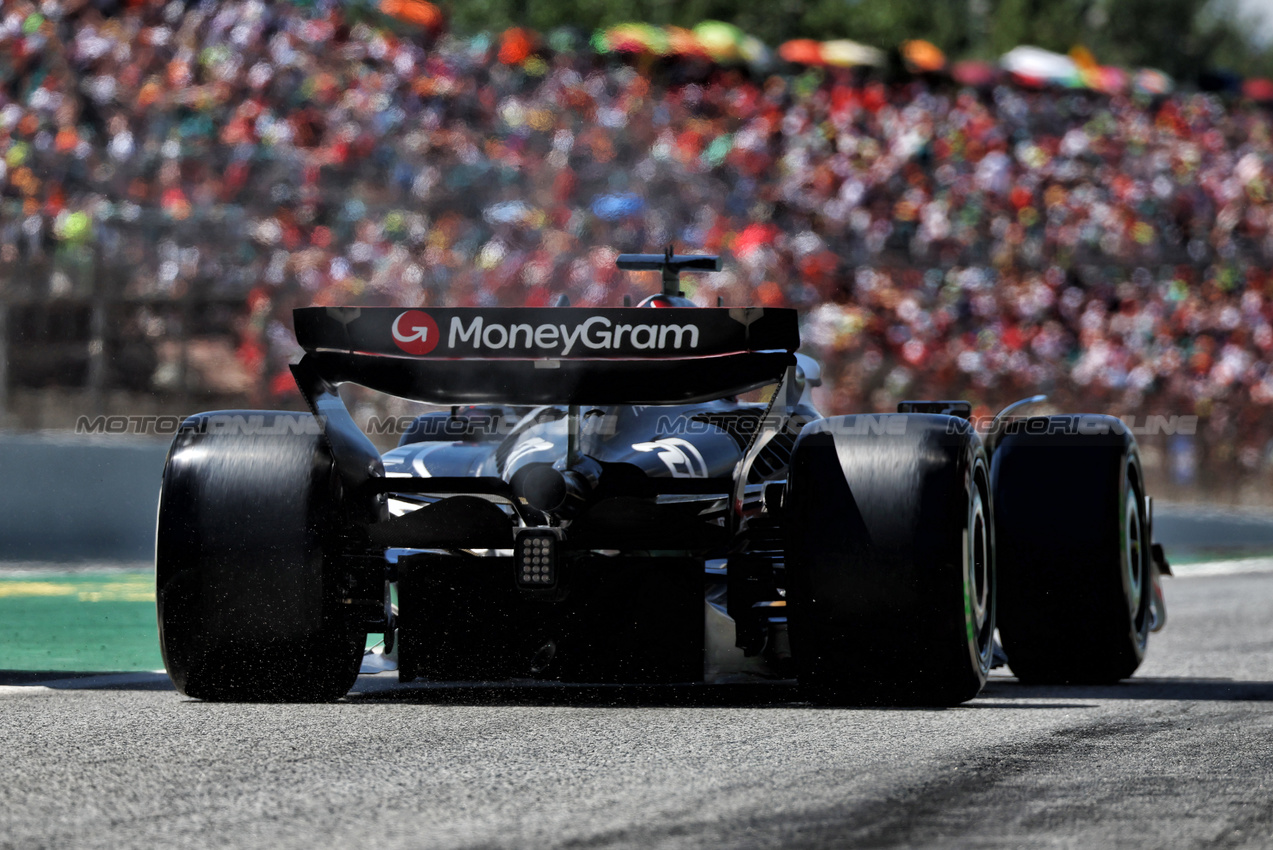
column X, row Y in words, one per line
column 81, row 622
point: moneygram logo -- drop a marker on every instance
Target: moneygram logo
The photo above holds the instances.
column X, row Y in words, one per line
column 415, row 332
column 596, row 333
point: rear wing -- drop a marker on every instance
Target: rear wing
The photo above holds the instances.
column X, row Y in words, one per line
column 550, row 355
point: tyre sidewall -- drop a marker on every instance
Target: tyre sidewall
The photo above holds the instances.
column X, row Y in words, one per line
column 1062, row 492
column 247, row 566
column 880, row 584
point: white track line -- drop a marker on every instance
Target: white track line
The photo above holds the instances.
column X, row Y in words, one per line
column 1237, row 566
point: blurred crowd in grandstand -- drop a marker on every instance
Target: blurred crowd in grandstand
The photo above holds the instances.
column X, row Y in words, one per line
column 940, row 241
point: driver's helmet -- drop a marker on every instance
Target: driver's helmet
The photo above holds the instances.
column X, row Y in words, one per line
column 662, row 300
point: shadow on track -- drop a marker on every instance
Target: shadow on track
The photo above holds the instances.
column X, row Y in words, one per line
column 1183, row 689
column 105, row 680
column 1001, row 694
column 998, row 693
column 779, row 695
column 765, row 695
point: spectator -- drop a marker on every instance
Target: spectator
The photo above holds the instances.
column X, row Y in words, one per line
column 940, row 241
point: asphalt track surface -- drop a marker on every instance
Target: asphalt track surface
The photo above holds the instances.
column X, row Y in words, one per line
column 1180, row 756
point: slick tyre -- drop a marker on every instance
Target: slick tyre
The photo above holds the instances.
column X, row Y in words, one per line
column 248, row 575
column 891, row 560
column 1076, row 590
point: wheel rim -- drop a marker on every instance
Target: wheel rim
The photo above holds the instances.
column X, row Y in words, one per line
column 977, row 551
column 1133, row 557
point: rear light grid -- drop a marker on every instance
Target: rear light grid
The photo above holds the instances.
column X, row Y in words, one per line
column 536, row 556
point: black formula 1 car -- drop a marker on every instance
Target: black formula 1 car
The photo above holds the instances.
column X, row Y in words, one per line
column 599, row 506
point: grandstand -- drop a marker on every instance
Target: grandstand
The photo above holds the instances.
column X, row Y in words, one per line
column 174, row 179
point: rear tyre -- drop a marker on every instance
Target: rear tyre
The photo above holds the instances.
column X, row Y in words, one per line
column 1076, row 589
column 250, row 583
column 891, row 560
